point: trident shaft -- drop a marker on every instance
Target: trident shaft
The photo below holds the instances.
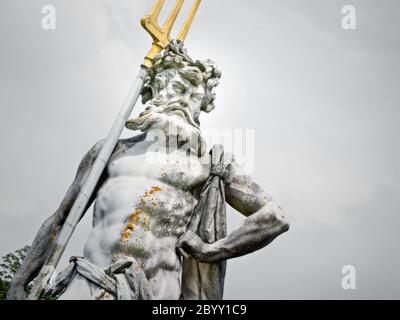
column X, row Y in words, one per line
column 161, row 38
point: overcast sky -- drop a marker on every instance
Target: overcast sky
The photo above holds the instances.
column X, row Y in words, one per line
column 323, row 103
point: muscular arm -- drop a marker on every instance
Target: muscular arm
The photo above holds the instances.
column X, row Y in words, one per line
column 45, row 238
column 263, row 224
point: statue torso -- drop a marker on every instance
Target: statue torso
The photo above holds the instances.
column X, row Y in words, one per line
column 142, row 209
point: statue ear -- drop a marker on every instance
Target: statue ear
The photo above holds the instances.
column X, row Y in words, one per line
column 147, row 94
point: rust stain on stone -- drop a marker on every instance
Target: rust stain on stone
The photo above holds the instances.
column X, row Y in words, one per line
column 53, row 236
column 134, row 218
column 130, row 227
column 155, row 189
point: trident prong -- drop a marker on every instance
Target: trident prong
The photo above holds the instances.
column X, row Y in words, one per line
column 155, row 11
column 188, row 22
column 162, row 35
column 172, row 17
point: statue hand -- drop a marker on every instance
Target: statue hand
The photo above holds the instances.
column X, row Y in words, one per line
column 191, row 244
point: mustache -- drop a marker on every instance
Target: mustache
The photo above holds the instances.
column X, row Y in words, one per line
column 159, row 106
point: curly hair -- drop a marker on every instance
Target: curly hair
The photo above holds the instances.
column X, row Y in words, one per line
column 175, row 56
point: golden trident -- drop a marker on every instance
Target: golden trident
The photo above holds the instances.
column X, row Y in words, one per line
column 161, row 38
column 162, row 35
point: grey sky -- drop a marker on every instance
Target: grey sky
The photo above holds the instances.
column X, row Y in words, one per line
column 323, row 103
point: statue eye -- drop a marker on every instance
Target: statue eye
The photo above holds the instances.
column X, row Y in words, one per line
column 158, row 83
column 179, row 88
column 197, row 97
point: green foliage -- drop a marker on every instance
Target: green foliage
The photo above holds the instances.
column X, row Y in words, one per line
column 11, row 262
column 3, row 289
column 9, row 265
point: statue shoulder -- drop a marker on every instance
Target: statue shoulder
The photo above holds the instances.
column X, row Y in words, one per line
column 125, row 144
column 121, row 146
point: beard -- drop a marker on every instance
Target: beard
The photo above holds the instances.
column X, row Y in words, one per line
column 174, row 121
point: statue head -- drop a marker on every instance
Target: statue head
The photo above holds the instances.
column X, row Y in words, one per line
column 177, row 89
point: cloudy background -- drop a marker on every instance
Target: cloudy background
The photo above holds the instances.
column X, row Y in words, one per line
column 322, row 101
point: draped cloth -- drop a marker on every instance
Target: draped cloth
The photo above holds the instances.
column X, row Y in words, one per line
column 124, row 279
column 205, row 281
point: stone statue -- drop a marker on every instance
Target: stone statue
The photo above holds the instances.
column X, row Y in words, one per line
column 159, row 209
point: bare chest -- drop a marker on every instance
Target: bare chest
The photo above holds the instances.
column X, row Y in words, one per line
column 148, row 193
column 178, row 170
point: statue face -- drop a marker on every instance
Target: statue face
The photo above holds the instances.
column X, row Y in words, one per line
column 176, row 102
